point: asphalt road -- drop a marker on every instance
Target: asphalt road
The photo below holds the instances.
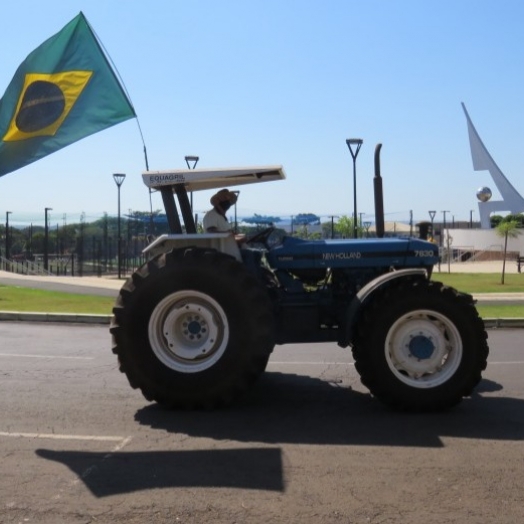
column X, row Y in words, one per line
column 307, row 444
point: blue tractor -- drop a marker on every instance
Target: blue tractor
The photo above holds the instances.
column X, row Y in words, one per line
column 195, row 326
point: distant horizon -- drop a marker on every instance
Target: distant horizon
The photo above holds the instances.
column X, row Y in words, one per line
column 284, row 220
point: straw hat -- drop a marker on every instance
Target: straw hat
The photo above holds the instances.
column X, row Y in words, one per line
column 222, row 196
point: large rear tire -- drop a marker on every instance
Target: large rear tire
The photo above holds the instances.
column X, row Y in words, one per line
column 192, row 329
column 420, row 346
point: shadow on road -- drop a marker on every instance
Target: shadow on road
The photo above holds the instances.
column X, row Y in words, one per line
column 283, row 408
column 286, row 408
column 127, row 472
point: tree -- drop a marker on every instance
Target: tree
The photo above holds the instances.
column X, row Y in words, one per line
column 328, row 229
column 261, row 220
column 507, row 229
column 305, row 219
column 518, row 218
column 495, row 220
column 344, row 227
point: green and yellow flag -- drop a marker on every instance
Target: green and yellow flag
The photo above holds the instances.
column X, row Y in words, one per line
column 64, row 90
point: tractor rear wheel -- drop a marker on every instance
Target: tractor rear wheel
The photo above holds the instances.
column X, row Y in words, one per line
column 420, row 346
column 192, row 329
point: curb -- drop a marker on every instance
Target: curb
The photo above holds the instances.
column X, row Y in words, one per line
column 494, row 323
column 67, row 318
column 73, row 318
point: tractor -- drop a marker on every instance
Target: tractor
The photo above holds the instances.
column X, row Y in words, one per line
column 195, row 325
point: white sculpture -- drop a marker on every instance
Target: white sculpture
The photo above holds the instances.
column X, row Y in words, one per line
column 511, row 201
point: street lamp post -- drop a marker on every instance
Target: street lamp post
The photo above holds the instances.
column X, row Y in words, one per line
column 194, row 159
column 444, row 221
column 46, row 240
column 448, row 254
column 7, row 213
column 471, row 219
column 119, row 180
column 357, row 142
column 432, row 217
column 333, row 225
column 236, row 217
column 444, row 229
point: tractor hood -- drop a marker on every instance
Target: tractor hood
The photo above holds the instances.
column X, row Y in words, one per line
column 295, row 253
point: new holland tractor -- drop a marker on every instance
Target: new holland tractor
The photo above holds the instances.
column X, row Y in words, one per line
column 195, row 326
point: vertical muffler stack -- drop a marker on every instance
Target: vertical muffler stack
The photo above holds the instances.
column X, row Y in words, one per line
column 379, row 196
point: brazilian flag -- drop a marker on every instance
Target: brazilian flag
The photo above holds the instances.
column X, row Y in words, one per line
column 64, row 90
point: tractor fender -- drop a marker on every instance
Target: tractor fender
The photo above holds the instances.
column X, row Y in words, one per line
column 355, row 306
column 223, row 242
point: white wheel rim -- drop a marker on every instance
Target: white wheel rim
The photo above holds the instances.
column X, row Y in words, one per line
column 423, row 349
column 188, row 331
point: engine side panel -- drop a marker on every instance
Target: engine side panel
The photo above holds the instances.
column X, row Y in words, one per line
column 294, row 253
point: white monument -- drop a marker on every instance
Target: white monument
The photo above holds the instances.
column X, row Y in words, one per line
column 511, row 201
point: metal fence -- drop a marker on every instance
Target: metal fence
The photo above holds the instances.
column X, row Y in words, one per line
column 92, row 257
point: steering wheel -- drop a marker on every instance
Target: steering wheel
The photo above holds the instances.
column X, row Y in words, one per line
column 261, row 237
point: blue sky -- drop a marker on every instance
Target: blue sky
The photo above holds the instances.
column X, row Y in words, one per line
column 286, row 82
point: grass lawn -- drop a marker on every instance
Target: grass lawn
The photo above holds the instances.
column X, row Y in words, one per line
column 503, row 311
column 482, row 282
column 14, row 298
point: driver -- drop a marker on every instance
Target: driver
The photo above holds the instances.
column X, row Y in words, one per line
column 215, row 220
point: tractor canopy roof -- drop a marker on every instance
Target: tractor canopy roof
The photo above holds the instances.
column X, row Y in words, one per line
column 198, row 179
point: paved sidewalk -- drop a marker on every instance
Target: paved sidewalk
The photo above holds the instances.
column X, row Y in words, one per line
column 108, row 286
column 490, row 266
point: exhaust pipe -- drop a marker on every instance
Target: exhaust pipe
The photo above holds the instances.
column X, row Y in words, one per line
column 379, row 195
